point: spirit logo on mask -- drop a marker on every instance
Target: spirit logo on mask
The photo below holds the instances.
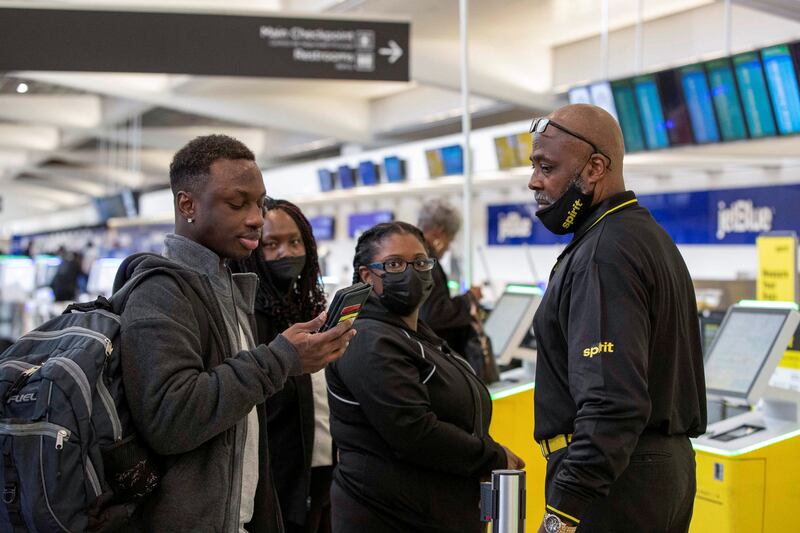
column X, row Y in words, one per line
column 573, row 213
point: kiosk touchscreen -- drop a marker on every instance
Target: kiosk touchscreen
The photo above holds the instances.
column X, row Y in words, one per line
column 746, row 350
column 747, row 466
column 101, row 276
column 510, row 321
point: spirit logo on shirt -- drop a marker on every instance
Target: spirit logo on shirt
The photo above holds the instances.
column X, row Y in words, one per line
column 742, row 217
column 600, row 347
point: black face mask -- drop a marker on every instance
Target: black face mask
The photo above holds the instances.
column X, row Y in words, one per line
column 404, row 292
column 286, row 269
column 568, row 212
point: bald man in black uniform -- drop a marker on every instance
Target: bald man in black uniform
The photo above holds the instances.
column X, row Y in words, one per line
column 619, row 377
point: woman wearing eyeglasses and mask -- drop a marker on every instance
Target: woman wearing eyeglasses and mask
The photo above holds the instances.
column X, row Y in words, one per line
column 409, row 417
column 300, row 446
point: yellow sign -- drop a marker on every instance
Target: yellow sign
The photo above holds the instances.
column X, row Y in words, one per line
column 777, row 268
column 777, row 281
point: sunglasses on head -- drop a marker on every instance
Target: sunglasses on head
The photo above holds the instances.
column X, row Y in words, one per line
column 539, row 125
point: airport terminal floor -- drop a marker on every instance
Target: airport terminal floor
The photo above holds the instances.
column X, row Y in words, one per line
column 555, row 243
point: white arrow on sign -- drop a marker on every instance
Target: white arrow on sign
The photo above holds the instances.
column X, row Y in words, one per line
column 393, row 51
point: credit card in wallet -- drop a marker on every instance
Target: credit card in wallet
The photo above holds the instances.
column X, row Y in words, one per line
column 346, row 304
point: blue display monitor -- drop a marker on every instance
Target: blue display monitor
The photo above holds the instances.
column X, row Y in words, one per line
column 395, row 169
column 675, row 109
column 325, row 179
column 782, row 82
column 322, row 227
column 453, row 159
column 347, row 178
column 358, row 223
column 628, row 114
column 725, row 96
column 755, row 100
column 603, row 97
column 368, row 172
column 699, row 104
column 653, row 123
column 116, row 206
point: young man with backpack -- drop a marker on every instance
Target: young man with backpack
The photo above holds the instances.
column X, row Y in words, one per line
column 194, row 380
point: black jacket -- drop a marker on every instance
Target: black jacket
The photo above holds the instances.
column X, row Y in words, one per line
column 410, row 420
column 619, row 350
column 189, row 397
column 448, row 317
column 290, row 431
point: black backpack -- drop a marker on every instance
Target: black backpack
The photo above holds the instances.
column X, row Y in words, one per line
column 71, row 459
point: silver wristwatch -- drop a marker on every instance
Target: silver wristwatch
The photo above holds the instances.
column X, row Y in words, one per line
column 554, row 524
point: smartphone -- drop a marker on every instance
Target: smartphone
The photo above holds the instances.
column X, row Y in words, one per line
column 346, row 304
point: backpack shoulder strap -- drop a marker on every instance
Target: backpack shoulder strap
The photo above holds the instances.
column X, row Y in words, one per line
column 120, row 297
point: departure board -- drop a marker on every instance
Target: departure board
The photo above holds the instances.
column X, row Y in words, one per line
column 579, row 95
column 698, row 101
column 740, row 349
column 673, row 104
column 653, row 124
column 753, row 88
column 523, row 144
column 628, row 115
column 782, row 82
column 726, row 100
column 453, row 159
column 602, row 97
column 506, row 152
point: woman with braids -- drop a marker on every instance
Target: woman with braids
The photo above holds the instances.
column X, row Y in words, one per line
column 409, row 417
column 290, row 291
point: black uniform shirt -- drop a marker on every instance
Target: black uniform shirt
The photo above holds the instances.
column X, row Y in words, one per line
column 619, row 350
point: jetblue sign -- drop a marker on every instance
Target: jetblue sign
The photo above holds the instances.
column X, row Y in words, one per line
column 723, row 216
column 516, row 224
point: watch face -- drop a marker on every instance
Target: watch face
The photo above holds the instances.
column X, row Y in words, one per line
column 552, row 523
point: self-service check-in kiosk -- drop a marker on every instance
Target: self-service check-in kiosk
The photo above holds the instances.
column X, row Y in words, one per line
column 509, row 327
column 748, row 465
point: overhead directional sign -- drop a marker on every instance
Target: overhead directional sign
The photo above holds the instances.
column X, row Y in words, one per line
column 223, row 45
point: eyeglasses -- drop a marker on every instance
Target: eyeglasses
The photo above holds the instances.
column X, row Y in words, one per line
column 396, row 266
column 539, row 125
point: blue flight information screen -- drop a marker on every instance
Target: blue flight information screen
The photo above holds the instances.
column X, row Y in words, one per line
column 453, row 159
column 628, row 116
column 755, row 99
column 698, row 101
column 655, row 130
column 368, row 171
column 395, row 169
column 322, row 227
column 782, row 82
column 726, row 100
